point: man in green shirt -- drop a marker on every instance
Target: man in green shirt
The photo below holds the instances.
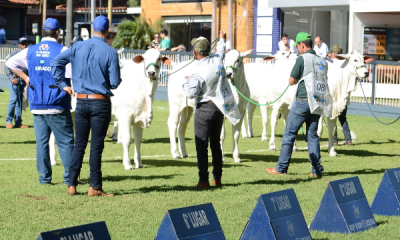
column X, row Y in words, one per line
column 165, row 44
column 301, row 111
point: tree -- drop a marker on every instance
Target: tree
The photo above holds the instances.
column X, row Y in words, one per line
column 136, row 34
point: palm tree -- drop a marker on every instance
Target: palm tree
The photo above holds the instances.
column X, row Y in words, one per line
column 136, row 34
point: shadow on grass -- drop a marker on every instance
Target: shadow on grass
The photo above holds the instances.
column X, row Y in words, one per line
column 130, row 177
column 281, row 180
column 381, row 222
column 358, row 172
column 22, row 142
column 364, row 153
column 174, row 163
column 371, row 142
column 266, row 158
column 145, row 141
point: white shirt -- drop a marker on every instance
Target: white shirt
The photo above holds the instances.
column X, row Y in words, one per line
column 19, row 62
column 228, row 45
column 292, row 48
column 321, row 51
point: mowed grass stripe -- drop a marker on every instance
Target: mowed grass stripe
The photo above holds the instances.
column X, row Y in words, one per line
column 144, row 195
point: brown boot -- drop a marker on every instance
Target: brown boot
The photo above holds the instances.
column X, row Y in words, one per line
column 202, row 185
column 71, row 190
column 21, row 126
column 9, row 125
column 98, row 192
column 217, row 183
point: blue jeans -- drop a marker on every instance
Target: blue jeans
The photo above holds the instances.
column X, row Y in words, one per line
column 345, row 127
column 62, row 127
column 95, row 115
column 15, row 105
column 208, row 121
column 299, row 114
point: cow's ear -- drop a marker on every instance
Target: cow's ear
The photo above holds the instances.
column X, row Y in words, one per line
column 368, row 59
column 166, row 60
column 269, row 58
column 138, row 59
column 121, row 50
column 243, row 55
column 342, row 56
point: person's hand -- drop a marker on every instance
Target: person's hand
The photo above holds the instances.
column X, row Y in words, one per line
column 14, row 81
column 70, row 91
column 222, row 34
column 27, row 81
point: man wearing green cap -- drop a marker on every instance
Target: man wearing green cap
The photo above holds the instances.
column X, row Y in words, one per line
column 312, row 100
column 204, row 84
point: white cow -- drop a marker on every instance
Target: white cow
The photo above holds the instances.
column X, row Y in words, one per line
column 133, row 100
column 235, row 74
column 267, row 82
column 342, row 80
column 180, row 107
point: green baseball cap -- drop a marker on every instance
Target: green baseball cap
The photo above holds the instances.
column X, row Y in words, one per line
column 201, row 45
column 301, row 36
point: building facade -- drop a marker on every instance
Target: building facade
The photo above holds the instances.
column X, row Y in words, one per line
column 187, row 19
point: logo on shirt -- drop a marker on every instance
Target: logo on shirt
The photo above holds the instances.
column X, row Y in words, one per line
column 321, row 65
column 40, row 68
column 41, row 61
column 44, row 47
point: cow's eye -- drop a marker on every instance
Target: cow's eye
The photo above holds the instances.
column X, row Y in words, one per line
column 355, row 60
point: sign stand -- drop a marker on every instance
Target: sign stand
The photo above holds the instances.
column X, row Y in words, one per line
column 97, row 230
column 344, row 208
column 191, row 223
column 277, row 216
column 387, row 198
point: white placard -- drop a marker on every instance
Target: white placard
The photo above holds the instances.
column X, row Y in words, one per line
column 264, row 43
column 264, row 25
column 263, row 10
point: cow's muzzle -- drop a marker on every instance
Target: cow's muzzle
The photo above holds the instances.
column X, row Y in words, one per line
column 229, row 75
column 366, row 74
column 151, row 73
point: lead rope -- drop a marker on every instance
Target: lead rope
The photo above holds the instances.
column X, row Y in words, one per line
column 359, row 80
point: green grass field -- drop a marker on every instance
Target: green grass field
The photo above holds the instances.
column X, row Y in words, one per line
column 144, row 195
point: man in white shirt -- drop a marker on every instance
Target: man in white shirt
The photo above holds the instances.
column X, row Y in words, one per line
column 286, row 44
column 228, row 44
column 320, row 47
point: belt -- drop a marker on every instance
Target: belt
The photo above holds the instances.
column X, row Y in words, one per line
column 301, row 98
column 93, row 96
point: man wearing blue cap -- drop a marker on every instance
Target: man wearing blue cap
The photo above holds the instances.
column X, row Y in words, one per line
column 50, row 105
column 17, row 86
column 95, row 71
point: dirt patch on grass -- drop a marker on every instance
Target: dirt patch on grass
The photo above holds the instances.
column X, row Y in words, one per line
column 33, row 197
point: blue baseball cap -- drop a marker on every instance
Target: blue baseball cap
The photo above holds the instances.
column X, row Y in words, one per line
column 101, row 23
column 22, row 39
column 50, row 24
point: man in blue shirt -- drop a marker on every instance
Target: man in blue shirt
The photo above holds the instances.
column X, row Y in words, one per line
column 95, row 71
column 50, row 106
column 16, row 90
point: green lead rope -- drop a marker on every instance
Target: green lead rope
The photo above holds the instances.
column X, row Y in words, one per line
column 258, row 104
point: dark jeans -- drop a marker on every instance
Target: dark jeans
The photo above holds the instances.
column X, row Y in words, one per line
column 345, row 127
column 208, row 121
column 299, row 114
column 95, row 115
column 15, row 105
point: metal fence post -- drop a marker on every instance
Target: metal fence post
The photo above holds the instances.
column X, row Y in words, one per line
column 373, row 84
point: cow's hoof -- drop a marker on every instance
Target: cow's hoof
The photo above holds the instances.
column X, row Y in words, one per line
column 176, row 157
column 294, row 150
column 55, row 164
column 185, row 156
column 114, row 139
column 264, row 139
column 272, row 149
column 223, row 160
column 237, row 160
column 140, row 166
column 129, row 167
column 333, row 154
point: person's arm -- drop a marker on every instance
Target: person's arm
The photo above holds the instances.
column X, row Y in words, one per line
column 220, row 49
column 192, row 86
column 281, row 46
column 298, row 68
column 9, row 73
column 174, row 49
column 114, row 71
column 18, row 63
column 57, row 69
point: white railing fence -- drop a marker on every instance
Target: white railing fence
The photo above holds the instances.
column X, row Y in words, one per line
column 382, row 87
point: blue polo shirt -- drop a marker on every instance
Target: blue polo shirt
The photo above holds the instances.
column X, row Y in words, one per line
column 94, row 64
